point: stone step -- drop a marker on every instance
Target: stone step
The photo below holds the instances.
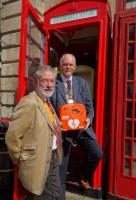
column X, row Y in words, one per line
column 73, row 196
column 76, row 192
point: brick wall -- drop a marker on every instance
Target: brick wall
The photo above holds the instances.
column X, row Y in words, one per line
column 10, row 22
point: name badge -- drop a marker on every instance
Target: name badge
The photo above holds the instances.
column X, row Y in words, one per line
column 70, row 101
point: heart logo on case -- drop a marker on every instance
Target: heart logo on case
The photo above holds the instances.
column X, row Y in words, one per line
column 73, row 123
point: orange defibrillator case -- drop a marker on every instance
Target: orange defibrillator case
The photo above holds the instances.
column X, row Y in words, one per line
column 72, row 116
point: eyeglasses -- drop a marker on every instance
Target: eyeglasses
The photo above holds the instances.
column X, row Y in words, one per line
column 47, row 80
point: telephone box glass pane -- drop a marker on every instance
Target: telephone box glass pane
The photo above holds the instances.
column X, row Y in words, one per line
column 134, row 151
column 130, row 4
column 128, row 128
column 135, row 110
column 134, row 168
column 132, row 32
column 130, row 71
column 131, row 51
column 127, row 167
column 135, row 130
column 129, row 109
column 129, row 90
column 35, row 49
column 128, row 148
column 31, row 70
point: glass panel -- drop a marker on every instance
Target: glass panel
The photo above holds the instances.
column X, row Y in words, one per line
column 127, row 167
column 130, row 71
column 35, row 52
column 128, row 128
column 128, row 148
column 134, row 152
column 35, row 39
column 131, row 52
column 135, row 110
column 129, row 90
column 130, row 0
column 35, row 33
column 132, row 32
column 130, row 4
column 31, row 70
column 134, row 168
column 135, row 130
column 129, row 110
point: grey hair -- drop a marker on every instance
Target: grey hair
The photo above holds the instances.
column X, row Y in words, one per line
column 67, row 54
column 43, row 68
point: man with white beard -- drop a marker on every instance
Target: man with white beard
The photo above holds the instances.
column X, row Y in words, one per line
column 34, row 140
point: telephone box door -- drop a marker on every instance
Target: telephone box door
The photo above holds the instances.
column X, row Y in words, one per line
column 124, row 170
column 32, row 53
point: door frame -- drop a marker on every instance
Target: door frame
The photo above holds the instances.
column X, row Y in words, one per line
column 69, row 7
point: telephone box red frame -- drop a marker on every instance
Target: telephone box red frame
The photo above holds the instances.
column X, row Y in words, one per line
column 101, row 19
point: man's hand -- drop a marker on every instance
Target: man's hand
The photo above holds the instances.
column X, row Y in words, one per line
column 62, row 129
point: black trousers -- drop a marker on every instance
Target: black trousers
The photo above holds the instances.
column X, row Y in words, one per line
column 52, row 189
column 93, row 154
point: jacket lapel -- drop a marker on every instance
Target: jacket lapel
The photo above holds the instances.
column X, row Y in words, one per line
column 42, row 108
column 75, row 87
column 60, row 87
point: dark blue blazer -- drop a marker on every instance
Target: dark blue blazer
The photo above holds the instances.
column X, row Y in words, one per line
column 81, row 92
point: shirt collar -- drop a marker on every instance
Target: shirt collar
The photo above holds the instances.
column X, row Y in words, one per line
column 65, row 79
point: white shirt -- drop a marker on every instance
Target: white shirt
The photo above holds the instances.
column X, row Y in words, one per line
column 65, row 80
column 54, row 144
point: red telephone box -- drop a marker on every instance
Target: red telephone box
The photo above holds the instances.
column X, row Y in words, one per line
column 122, row 168
column 75, row 26
column 69, row 27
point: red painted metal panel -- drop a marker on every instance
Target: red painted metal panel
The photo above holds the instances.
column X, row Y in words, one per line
column 101, row 73
column 120, row 5
column 70, row 7
column 111, row 172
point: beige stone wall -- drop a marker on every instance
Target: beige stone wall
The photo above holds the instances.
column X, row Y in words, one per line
column 10, row 39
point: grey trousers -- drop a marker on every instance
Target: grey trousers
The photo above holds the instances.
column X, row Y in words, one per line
column 52, row 189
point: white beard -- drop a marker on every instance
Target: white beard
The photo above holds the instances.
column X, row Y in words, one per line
column 45, row 94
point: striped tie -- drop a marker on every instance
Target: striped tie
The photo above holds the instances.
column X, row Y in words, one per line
column 69, row 88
